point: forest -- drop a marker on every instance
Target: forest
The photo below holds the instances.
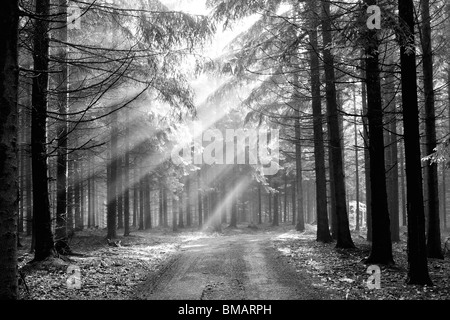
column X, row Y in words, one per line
column 224, row 150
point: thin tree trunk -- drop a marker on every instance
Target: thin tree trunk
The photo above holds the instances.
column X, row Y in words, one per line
column 392, row 161
column 298, row 169
column 29, row 191
column 135, row 196
column 175, row 204
column 141, row 197
column 119, row 192
column 294, row 200
column 126, row 179
column 270, row 207
column 147, row 207
column 62, row 245
column 285, row 197
column 89, row 196
column 402, row 185
column 199, row 199
column 82, row 191
column 444, row 198
column 260, row 204
column 275, row 221
column 188, row 201
column 357, row 215
column 366, row 156
column 233, row 218
column 112, row 182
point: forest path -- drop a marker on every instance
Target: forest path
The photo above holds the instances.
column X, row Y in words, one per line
column 241, row 266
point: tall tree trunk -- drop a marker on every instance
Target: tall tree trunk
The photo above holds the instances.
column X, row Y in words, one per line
column 417, row 253
column 357, row 213
column 160, row 204
column 434, row 247
column 392, row 152
column 344, row 239
column 275, row 221
column 180, row 212
column 188, row 201
column 147, row 208
column 89, row 196
column 165, row 207
column 119, row 192
column 381, row 251
column 323, row 230
column 44, row 246
column 126, row 179
column 234, row 209
column 9, row 202
column 300, row 226
column 285, row 197
column 444, row 197
column 93, row 195
column 70, row 193
column 402, row 184
column 62, row 245
column 141, row 197
column 29, row 189
column 199, row 198
column 112, row 181
column 366, row 155
column 294, row 200
column 175, row 206
column 270, row 206
column 135, row 195
column 260, row 204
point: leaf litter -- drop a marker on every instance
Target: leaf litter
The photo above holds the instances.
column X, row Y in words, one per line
column 105, row 272
column 344, row 271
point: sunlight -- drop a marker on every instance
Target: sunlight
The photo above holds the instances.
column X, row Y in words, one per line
column 224, row 203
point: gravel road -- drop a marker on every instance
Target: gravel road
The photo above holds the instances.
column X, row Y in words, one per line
column 237, row 267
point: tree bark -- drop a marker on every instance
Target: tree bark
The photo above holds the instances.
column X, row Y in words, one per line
column 392, row 155
column 9, row 202
column 323, row 230
column 141, row 197
column 344, row 239
column 275, row 221
column 357, row 213
column 119, row 192
column 199, row 199
column 366, row 156
column 44, row 246
column 417, row 253
column 434, row 247
column 112, row 181
column 188, row 201
column 126, row 178
column 147, row 208
column 300, row 226
column 62, row 245
column 381, row 251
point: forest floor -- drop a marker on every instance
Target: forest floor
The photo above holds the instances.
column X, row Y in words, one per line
column 149, row 261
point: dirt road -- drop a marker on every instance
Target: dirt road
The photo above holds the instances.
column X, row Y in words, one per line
column 242, row 266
